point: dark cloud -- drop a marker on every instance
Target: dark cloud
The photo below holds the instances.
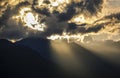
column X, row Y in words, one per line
column 11, row 11
column 111, row 21
column 86, row 7
column 10, row 29
column 54, row 26
column 43, row 11
column 111, row 16
column 56, row 22
column 93, row 6
column 69, row 13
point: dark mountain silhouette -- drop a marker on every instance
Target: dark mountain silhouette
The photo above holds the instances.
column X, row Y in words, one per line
column 40, row 45
column 22, row 62
column 30, row 58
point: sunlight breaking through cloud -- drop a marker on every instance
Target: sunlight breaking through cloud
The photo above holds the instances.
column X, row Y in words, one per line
column 58, row 19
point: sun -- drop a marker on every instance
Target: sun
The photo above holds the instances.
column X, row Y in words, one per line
column 33, row 22
column 30, row 19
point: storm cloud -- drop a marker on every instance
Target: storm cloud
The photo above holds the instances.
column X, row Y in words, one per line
column 56, row 21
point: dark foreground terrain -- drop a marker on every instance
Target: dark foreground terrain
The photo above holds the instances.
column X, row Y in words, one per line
column 30, row 58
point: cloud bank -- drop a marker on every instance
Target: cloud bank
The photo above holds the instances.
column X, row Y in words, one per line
column 57, row 19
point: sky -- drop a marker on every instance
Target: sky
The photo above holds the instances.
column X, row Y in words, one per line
column 75, row 34
column 73, row 20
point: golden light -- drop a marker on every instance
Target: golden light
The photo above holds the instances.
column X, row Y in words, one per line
column 79, row 19
column 14, row 40
column 10, row 2
column 24, row 10
column 64, row 55
column 58, row 5
column 58, row 2
column 68, row 37
column 103, row 50
column 40, row 2
column 55, row 5
column 30, row 19
column 32, row 22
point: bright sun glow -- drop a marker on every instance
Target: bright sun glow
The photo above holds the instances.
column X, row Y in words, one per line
column 30, row 19
column 32, row 22
column 76, row 37
column 79, row 19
